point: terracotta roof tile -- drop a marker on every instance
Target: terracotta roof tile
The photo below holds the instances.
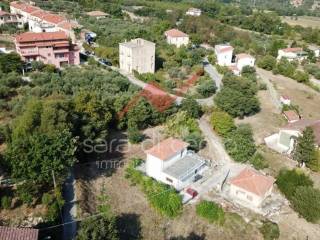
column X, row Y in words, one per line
column 24, row 7
column 292, row 50
column 243, row 55
column 253, row 181
column 167, row 148
column 175, row 33
column 10, row 233
column 38, row 37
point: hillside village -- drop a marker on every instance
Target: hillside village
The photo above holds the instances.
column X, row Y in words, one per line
column 159, row 120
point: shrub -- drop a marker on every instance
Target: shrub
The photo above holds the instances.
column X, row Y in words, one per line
column 207, row 88
column 192, row 107
column 6, row 202
column 267, row 62
column 211, row 212
column 306, row 202
column 258, row 161
column 222, row 122
column 263, row 86
column 289, row 180
column 46, row 199
column 134, row 135
column 270, row 230
column 240, row 144
column 195, row 140
column 301, row 76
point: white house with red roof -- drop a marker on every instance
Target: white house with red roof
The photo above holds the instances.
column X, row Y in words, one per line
column 176, row 37
column 244, row 59
column 224, row 54
column 251, row 187
column 171, row 163
column 292, row 54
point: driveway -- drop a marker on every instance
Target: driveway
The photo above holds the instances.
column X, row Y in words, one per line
column 213, row 73
column 69, row 210
column 265, row 77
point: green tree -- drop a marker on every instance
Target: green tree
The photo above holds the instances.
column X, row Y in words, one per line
column 240, row 144
column 289, row 180
column 306, row 202
column 192, row 107
column 222, row 122
column 301, row 76
column 305, row 151
column 267, row 62
column 10, row 63
column 34, row 157
column 98, row 228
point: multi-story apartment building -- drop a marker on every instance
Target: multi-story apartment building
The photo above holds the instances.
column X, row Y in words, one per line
column 43, row 21
column 137, row 55
column 48, row 47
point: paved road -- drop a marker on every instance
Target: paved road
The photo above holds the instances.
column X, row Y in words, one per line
column 266, row 77
column 69, row 210
column 213, row 73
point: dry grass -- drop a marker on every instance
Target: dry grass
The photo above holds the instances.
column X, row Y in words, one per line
column 304, row 21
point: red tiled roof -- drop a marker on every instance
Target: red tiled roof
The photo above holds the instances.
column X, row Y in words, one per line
column 167, row 148
column 10, row 233
column 243, row 55
column 24, row 7
column 222, row 49
column 68, row 25
column 38, row 37
column 175, row 33
column 292, row 49
column 253, row 181
column 291, row 115
column 53, row 18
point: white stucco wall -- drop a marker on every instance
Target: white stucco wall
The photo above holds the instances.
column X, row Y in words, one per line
column 224, row 58
column 248, row 197
column 139, row 58
column 242, row 62
column 178, row 41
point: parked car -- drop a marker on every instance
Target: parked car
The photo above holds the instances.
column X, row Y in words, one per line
column 188, row 195
column 105, row 62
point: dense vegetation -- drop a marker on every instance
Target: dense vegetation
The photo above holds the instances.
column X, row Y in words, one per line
column 270, row 230
column 238, row 96
column 298, row 189
column 183, row 126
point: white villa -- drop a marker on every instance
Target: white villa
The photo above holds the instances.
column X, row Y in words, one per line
column 284, row 141
column 137, row 55
column 243, row 60
column 194, row 12
column 292, row 54
column 224, row 54
column 251, row 187
column 171, row 163
column 176, row 37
